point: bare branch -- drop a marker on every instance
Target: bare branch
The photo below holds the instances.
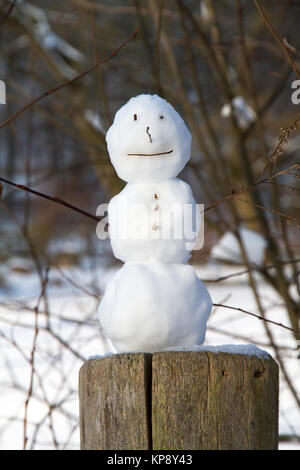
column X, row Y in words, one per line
column 32, row 359
column 55, row 199
column 277, row 37
column 256, row 316
column 68, row 82
column 8, row 12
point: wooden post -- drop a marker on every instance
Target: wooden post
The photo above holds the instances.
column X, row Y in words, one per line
column 179, row 400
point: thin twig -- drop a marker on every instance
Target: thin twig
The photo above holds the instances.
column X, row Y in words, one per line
column 55, row 199
column 256, row 316
column 288, row 218
column 283, row 139
column 32, row 359
column 277, row 37
column 7, row 12
column 246, row 271
column 68, row 82
column 252, row 186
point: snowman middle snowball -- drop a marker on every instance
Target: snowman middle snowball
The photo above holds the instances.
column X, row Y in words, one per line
column 153, row 224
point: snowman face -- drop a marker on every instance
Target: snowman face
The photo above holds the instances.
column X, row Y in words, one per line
column 148, row 140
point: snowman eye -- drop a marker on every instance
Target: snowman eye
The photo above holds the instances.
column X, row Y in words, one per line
column 161, row 117
column 135, row 117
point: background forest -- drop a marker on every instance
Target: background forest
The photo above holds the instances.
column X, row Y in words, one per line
column 229, row 67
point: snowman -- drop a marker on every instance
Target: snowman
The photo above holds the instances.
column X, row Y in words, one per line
column 155, row 301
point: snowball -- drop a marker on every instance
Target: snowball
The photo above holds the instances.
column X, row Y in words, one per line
column 228, row 247
column 158, row 220
column 151, row 306
column 148, row 140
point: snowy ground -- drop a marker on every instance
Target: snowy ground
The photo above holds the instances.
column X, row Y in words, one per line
column 73, row 321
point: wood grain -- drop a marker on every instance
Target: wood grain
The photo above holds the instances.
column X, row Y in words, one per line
column 179, row 400
column 204, row 400
column 114, row 400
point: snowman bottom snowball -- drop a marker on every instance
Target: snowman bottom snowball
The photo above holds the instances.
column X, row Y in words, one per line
column 153, row 306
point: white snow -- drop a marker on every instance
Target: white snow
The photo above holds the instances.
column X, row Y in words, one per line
column 148, row 124
column 243, row 113
column 158, row 220
column 228, row 249
column 94, row 119
column 59, row 368
column 36, row 24
column 153, row 305
column 245, row 349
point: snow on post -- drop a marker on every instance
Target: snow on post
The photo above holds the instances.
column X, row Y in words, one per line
column 190, row 400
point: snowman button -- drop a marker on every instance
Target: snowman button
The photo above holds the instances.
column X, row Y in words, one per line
column 156, row 207
column 155, row 227
column 155, row 196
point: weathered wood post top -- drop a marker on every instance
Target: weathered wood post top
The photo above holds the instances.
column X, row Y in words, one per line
column 190, row 400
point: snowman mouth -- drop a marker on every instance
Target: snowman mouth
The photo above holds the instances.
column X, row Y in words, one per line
column 149, row 154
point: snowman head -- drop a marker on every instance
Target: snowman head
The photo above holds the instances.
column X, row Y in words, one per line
column 148, row 140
